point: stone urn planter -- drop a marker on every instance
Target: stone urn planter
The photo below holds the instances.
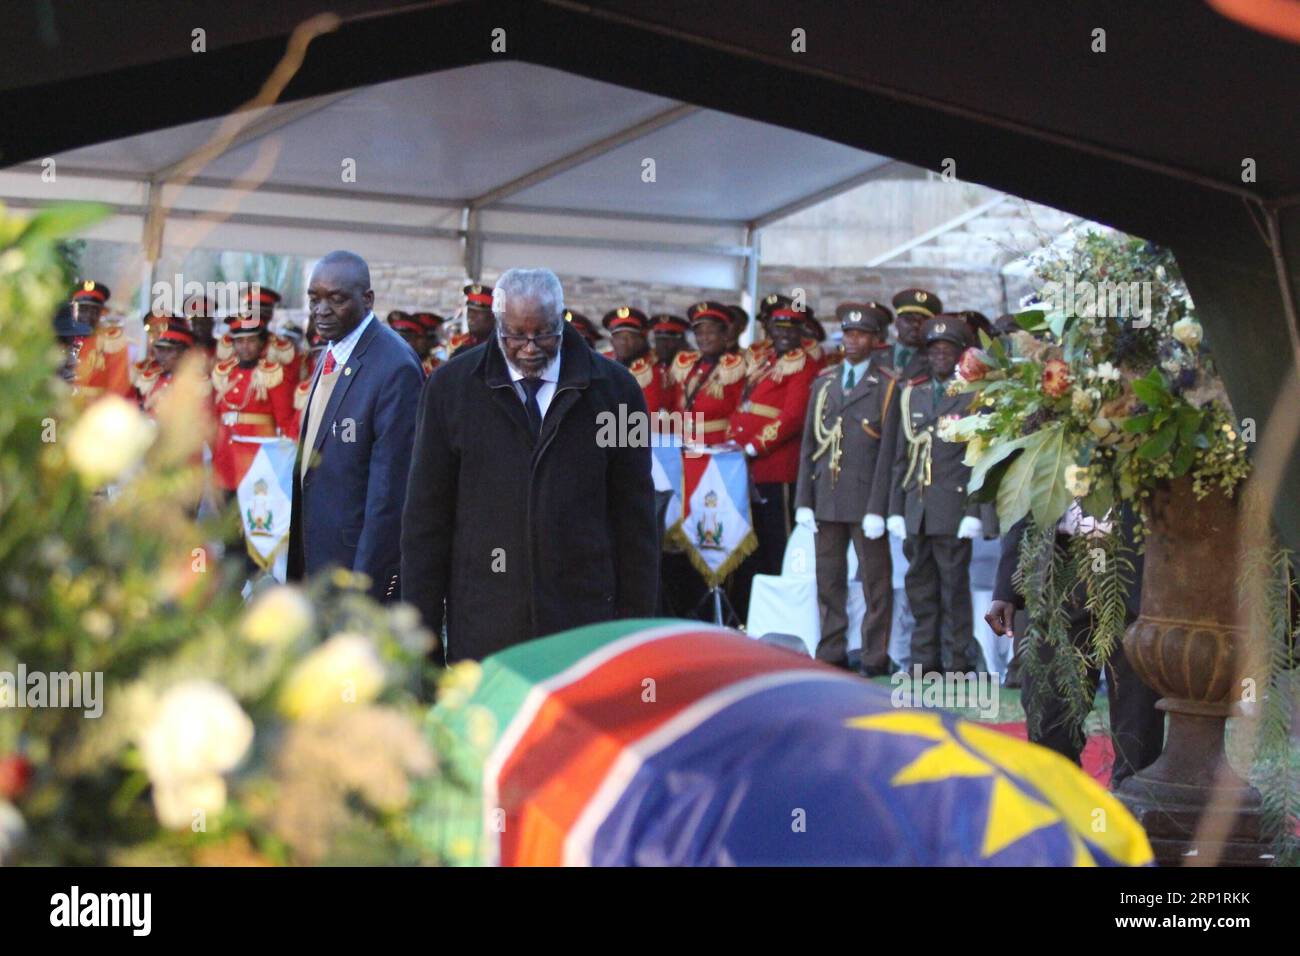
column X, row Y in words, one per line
column 1186, row 644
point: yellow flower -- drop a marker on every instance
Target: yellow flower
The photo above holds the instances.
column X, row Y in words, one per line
column 1188, row 331
column 109, row 440
column 1078, row 481
column 280, row 615
column 458, row 683
column 344, row 670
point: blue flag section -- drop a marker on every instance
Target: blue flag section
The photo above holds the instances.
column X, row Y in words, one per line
column 832, row 774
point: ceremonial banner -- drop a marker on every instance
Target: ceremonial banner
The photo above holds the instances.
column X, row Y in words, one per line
column 742, row 754
column 666, row 470
column 716, row 529
column 265, row 503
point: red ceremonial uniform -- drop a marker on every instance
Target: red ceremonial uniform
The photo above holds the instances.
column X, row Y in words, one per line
column 645, row 371
column 707, row 388
column 771, row 415
column 459, row 342
column 255, row 401
column 104, row 366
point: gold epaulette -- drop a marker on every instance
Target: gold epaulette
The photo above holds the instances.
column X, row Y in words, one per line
column 731, row 369
column 683, row 362
column 225, row 347
column 143, row 372
column 813, row 348
column 280, row 350
column 789, row 364
column 643, row 370
column 110, row 339
column 221, row 376
column 300, row 395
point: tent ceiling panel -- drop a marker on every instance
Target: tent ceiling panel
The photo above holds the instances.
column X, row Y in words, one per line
column 707, row 164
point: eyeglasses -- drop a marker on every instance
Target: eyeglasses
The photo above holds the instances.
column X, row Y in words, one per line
column 543, row 341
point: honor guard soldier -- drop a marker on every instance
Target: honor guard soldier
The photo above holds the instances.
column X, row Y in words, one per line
column 628, row 328
column 930, row 508
column 103, row 364
column 411, row 331
column 768, row 425
column 431, row 322
column 479, row 320
column 71, row 334
column 912, row 309
column 261, row 302
column 168, row 349
column 154, row 325
column 586, row 328
column 315, row 345
column 739, row 322
column 708, row 380
column 845, row 466
column 669, row 337
column 253, row 397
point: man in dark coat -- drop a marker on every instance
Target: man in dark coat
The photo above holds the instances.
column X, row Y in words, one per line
column 1137, row 728
column 528, row 512
column 355, row 442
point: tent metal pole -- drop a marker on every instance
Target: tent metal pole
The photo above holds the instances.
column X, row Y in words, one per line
column 1275, row 247
column 753, row 237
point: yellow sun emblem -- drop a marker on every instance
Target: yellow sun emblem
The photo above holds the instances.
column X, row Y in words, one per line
column 1090, row 815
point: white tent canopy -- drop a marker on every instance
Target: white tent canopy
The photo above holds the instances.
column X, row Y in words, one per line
column 486, row 167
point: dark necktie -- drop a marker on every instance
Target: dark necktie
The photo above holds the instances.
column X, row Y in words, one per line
column 532, row 386
column 849, row 380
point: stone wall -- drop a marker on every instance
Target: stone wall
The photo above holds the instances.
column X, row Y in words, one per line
column 411, row 287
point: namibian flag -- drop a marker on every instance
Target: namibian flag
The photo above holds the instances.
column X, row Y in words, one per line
column 678, row 743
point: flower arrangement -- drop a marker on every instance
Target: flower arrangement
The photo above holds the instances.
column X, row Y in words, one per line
column 285, row 731
column 1083, row 404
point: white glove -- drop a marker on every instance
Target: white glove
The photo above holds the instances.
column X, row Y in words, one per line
column 751, row 451
column 897, row 526
column 970, row 528
column 804, row 518
column 873, row 526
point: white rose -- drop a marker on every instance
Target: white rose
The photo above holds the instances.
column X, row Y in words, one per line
column 1081, row 400
column 344, row 670
column 1078, row 481
column 108, row 440
column 1188, row 331
column 176, row 800
column 197, row 731
column 279, row 615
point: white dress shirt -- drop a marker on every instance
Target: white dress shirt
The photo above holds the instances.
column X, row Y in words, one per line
column 550, row 377
column 342, row 349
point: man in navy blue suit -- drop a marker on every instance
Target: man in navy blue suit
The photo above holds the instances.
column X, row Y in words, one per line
column 354, row 449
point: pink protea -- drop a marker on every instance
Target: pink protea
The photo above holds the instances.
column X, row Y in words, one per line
column 1056, row 378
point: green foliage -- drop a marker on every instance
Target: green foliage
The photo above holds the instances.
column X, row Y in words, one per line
column 299, row 735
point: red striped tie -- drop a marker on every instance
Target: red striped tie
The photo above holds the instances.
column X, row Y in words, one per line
column 329, row 364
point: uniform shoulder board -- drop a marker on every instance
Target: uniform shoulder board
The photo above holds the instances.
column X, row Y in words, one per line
column 225, row 347
column 643, row 370
column 828, row 371
column 268, row 373
column 111, row 339
column 731, row 368
column 683, row 362
column 280, row 349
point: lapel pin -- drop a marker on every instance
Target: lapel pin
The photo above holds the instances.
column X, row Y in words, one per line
column 348, row 370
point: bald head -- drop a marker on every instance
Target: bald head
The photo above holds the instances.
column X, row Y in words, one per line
column 339, row 294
